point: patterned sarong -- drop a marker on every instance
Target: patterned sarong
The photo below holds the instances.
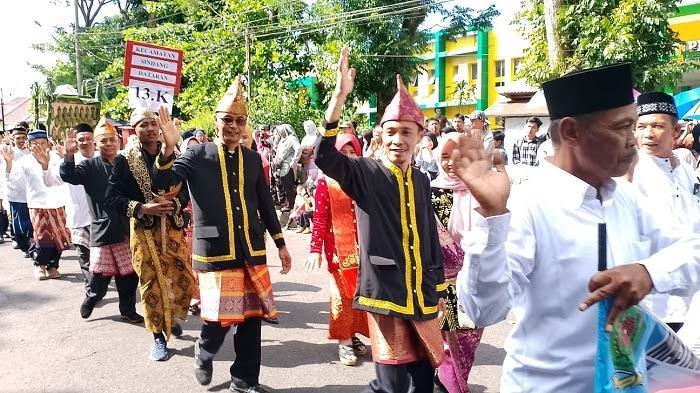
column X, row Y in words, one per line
column 167, row 283
column 399, row 341
column 111, row 260
column 81, row 236
column 230, row 296
column 50, row 228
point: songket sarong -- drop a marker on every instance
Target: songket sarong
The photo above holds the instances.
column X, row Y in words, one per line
column 80, row 236
column 166, row 280
column 399, row 341
column 233, row 295
column 345, row 321
column 460, row 342
column 111, row 260
column 50, row 228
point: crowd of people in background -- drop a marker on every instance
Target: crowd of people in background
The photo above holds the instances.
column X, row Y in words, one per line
column 128, row 212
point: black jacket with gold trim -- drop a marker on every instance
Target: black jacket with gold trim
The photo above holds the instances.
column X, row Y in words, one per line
column 400, row 261
column 231, row 201
column 130, row 187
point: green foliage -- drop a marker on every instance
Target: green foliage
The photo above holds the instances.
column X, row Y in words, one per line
column 601, row 32
column 274, row 104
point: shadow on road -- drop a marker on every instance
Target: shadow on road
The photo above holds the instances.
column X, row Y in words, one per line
column 488, row 355
column 325, row 389
column 477, row 388
column 297, row 315
column 285, row 286
column 22, row 300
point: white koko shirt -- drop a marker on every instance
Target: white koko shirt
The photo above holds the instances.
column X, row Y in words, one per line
column 77, row 207
column 39, row 196
column 671, row 190
column 537, row 261
column 17, row 188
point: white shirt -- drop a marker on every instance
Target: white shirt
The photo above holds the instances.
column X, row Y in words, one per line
column 39, row 196
column 546, row 150
column 669, row 189
column 538, row 259
column 16, row 190
column 77, row 207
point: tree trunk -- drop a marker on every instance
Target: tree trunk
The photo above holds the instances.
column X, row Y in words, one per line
column 384, row 97
column 551, row 23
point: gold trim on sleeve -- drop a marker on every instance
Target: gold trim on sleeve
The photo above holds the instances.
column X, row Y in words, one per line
column 277, row 236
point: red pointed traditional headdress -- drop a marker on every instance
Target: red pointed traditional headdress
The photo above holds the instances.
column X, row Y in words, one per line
column 403, row 107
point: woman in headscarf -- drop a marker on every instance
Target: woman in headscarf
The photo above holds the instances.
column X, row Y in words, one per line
column 461, row 337
column 308, row 152
column 335, row 231
column 287, row 155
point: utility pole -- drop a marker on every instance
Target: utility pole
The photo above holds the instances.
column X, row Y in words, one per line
column 2, row 109
column 247, row 61
column 78, row 62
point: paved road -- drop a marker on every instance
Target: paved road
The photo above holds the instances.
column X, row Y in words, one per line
column 46, row 347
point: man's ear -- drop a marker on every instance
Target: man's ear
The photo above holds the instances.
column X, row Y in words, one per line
column 570, row 131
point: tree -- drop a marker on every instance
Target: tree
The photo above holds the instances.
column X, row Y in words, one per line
column 551, row 24
column 385, row 38
column 599, row 32
column 463, row 92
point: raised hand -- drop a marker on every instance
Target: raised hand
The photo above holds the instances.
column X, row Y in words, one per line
column 171, row 134
column 8, row 153
column 475, row 168
column 70, row 143
column 41, row 155
column 313, row 262
column 345, row 75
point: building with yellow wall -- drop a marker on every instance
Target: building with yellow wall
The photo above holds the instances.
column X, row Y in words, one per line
column 480, row 64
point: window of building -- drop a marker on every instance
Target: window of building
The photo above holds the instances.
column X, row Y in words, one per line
column 460, row 72
column 473, row 72
column 517, row 63
column 500, row 68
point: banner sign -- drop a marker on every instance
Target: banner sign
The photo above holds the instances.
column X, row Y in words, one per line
column 152, row 74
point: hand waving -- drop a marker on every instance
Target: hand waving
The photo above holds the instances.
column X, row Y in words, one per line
column 475, row 168
column 171, row 135
column 8, row 153
column 345, row 75
column 70, row 143
column 41, row 155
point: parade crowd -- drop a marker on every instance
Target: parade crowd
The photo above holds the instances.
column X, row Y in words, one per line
column 426, row 239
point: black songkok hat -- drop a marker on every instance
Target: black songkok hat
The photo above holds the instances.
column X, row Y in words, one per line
column 656, row 102
column 588, row 91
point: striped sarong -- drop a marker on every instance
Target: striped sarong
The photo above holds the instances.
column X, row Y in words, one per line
column 231, row 296
column 50, row 228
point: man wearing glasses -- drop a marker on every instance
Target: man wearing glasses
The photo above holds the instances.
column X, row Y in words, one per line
column 232, row 208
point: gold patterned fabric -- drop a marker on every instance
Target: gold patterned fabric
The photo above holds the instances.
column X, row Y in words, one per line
column 399, row 341
column 166, row 280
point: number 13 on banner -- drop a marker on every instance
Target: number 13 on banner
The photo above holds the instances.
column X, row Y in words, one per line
column 151, row 96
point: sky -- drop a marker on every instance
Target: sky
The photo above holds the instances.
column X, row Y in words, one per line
column 18, row 31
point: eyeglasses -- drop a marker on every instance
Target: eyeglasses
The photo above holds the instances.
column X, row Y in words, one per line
column 239, row 121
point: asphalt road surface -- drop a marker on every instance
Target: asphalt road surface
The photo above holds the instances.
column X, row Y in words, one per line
column 45, row 346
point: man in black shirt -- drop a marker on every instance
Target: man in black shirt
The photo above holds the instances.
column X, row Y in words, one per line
column 109, row 232
column 401, row 276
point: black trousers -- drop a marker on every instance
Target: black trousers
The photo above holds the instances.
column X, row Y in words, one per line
column 84, row 262
column 246, row 343
column 290, row 191
column 126, row 288
column 414, row 377
column 48, row 257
